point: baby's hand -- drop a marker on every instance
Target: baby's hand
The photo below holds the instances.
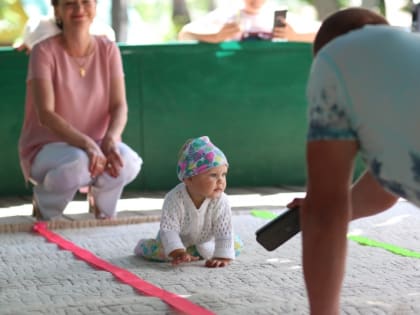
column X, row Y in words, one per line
column 217, row 262
column 180, row 256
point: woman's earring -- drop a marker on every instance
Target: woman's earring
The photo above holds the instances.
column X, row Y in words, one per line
column 59, row 23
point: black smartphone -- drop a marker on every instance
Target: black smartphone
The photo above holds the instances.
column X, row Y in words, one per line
column 279, row 18
column 279, row 230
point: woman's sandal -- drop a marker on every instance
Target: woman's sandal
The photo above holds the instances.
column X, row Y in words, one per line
column 93, row 208
column 36, row 212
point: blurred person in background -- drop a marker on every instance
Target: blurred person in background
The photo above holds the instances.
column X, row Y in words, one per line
column 42, row 25
column 253, row 18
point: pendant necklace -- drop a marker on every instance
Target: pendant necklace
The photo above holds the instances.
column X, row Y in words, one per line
column 82, row 70
column 82, row 63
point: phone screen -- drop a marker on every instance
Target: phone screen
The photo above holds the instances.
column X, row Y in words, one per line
column 279, row 16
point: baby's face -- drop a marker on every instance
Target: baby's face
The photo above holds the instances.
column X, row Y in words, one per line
column 210, row 184
column 253, row 6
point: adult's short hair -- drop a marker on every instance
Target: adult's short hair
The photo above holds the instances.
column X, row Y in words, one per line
column 344, row 21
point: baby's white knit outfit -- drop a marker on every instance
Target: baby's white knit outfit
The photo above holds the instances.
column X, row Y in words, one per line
column 209, row 228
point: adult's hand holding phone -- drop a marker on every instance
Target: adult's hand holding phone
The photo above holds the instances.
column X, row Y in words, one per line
column 228, row 31
column 279, row 230
column 284, row 32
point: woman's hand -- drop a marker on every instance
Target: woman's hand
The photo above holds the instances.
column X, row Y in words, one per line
column 228, row 31
column 284, row 32
column 114, row 161
column 217, row 262
column 287, row 32
column 181, row 256
column 22, row 47
column 97, row 160
column 297, row 202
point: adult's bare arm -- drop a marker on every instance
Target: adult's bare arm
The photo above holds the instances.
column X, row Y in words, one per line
column 118, row 119
column 227, row 32
column 325, row 215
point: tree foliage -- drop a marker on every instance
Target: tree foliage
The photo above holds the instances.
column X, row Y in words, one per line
column 12, row 21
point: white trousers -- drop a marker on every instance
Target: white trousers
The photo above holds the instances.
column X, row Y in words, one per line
column 60, row 170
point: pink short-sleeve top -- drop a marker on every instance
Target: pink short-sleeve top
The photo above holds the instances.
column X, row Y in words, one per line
column 83, row 101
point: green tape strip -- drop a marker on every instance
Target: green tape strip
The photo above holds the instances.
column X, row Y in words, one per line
column 263, row 214
column 389, row 247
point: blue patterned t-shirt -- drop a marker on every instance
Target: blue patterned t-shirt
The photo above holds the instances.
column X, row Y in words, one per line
column 364, row 86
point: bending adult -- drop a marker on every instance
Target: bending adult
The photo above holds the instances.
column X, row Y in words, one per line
column 75, row 114
column 363, row 98
column 255, row 18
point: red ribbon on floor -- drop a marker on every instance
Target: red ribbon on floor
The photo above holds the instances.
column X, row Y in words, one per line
column 179, row 303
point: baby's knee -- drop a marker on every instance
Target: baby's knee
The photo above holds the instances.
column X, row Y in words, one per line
column 150, row 249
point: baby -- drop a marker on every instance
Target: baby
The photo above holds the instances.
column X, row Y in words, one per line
column 196, row 221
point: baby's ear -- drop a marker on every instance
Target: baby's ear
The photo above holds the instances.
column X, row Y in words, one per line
column 187, row 180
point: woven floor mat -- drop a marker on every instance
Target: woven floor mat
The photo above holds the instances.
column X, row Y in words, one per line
column 75, row 224
column 24, row 223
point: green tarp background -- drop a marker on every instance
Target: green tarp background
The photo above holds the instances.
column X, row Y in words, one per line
column 249, row 98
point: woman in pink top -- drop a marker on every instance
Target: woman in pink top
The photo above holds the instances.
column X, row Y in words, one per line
column 75, row 114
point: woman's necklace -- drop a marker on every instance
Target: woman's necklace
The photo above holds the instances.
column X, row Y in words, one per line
column 81, row 62
column 81, row 65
